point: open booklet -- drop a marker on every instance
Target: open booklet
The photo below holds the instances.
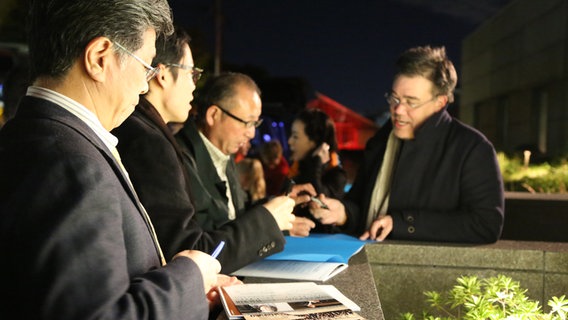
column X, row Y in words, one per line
column 317, row 257
column 297, row 300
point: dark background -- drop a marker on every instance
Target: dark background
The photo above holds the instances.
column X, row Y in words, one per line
column 293, row 48
column 343, row 49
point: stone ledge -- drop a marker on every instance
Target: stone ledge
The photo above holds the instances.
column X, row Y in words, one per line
column 404, row 270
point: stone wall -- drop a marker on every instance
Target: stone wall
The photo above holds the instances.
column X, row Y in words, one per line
column 536, row 217
column 403, row 270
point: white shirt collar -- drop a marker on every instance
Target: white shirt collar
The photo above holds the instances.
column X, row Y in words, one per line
column 220, row 161
column 216, row 154
column 78, row 110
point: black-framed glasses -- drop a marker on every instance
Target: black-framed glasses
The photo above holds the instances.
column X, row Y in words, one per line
column 394, row 101
column 195, row 71
column 151, row 72
column 248, row 124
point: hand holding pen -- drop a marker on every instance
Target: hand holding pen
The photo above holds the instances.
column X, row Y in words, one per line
column 320, row 203
column 208, row 266
column 301, row 193
column 333, row 213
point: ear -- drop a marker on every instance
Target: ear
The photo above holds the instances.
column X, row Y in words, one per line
column 441, row 102
column 163, row 77
column 97, row 58
column 212, row 115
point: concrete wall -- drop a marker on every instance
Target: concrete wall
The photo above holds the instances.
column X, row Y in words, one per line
column 514, row 77
column 536, row 217
column 403, row 271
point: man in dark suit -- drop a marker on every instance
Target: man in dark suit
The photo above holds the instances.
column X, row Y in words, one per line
column 425, row 175
column 156, row 166
column 228, row 110
column 75, row 241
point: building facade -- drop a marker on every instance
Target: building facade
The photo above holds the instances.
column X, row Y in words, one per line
column 514, row 82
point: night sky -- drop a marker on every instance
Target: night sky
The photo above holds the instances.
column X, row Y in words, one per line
column 345, row 49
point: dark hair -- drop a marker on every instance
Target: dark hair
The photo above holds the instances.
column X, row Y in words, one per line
column 319, row 127
column 15, row 86
column 432, row 64
column 270, row 151
column 169, row 49
column 220, row 90
column 59, row 30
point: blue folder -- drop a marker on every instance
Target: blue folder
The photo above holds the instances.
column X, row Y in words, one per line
column 319, row 248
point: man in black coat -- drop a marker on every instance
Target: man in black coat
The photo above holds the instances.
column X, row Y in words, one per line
column 157, row 169
column 424, row 176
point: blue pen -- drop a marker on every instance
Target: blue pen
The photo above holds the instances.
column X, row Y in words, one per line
column 217, row 250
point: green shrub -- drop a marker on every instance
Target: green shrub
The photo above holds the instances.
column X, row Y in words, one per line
column 535, row 178
column 492, row 298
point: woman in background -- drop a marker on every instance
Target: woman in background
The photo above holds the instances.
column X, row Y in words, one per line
column 251, row 177
column 314, row 157
column 275, row 167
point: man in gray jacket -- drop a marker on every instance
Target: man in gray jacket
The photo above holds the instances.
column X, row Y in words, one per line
column 76, row 242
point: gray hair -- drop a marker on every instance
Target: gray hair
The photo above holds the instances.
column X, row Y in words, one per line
column 221, row 90
column 59, row 30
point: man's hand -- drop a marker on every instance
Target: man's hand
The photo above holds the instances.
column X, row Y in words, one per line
column 222, row 281
column 301, row 227
column 208, row 266
column 281, row 209
column 379, row 230
column 334, row 215
column 301, row 193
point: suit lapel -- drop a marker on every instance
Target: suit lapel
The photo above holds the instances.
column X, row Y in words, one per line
column 47, row 109
column 234, row 184
column 203, row 162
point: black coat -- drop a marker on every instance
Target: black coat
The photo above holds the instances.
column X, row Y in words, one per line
column 447, row 185
column 326, row 180
column 74, row 241
column 210, row 191
column 329, row 181
column 260, row 235
column 157, row 169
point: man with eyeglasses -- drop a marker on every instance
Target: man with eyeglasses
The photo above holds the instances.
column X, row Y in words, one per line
column 155, row 163
column 425, row 175
column 228, row 113
column 76, row 243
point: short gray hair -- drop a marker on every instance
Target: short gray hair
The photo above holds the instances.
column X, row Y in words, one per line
column 220, row 90
column 59, row 30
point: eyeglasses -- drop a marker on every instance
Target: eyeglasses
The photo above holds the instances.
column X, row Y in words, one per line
column 394, row 101
column 151, row 72
column 195, row 71
column 248, row 124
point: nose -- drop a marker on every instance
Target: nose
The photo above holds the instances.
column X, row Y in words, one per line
column 398, row 108
column 250, row 132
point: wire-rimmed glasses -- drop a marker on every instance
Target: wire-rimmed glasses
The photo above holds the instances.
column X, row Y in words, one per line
column 195, row 71
column 394, row 101
column 151, row 72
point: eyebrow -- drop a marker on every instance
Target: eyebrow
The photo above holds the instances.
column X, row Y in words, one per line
column 405, row 97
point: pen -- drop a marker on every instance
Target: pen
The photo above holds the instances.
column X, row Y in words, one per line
column 217, row 250
column 290, row 186
column 318, row 201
